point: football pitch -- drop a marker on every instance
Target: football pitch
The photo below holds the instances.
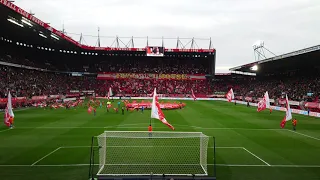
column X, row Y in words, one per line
column 55, row 144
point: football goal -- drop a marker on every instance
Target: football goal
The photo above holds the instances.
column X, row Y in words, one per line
column 139, row 153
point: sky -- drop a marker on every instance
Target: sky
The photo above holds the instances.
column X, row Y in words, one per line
column 233, row 25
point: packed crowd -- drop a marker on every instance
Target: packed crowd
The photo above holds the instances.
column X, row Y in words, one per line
column 297, row 88
column 27, row 83
column 145, row 87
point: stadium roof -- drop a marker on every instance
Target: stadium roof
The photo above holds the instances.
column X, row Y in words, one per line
column 304, row 58
column 26, row 26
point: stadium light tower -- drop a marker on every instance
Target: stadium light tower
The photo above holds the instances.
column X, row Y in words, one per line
column 260, row 50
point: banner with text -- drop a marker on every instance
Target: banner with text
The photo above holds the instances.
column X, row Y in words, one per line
column 110, row 76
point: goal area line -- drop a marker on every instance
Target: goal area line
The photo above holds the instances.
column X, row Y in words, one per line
column 228, row 165
column 71, row 147
column 35, row 164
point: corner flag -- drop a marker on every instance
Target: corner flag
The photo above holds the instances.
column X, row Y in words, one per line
column 156, row 111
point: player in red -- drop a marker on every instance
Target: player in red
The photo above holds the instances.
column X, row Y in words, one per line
column 294, row 124
column 150, row 130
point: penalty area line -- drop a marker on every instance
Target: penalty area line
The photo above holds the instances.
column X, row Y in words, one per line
column 304, row 135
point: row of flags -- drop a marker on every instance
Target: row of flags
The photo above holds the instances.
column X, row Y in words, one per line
column 264, row 103
column 156, row 111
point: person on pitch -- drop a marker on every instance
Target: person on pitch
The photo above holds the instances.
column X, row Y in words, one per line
column 122, row 109
column 94, row 111
column 150, row 130
column 294, row 124
column 142, row 109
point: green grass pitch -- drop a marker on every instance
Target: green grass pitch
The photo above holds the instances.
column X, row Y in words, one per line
column 54, row 144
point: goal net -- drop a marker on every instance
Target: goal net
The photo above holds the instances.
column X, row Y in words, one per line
column 158, row 153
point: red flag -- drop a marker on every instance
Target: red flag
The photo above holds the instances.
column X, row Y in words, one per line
column 7, row 117
column 8, row 114
column 230, row 95
column 90, row 110
column 264, row 103
column 288, row 116
column 261, row 105
column 156, row 111
column 193, row 96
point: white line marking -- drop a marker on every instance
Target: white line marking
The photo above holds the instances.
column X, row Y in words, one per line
column 46, row 156
column 230, row 165
column 242, row 165
column 304, row 135
column 4, row 130
column 256, row 156
column 70, row 147
column 123, row 127
column 251, row 129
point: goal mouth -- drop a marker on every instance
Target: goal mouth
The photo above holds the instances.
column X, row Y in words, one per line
column 154, row 177
column 152, row 169
column 159, row 154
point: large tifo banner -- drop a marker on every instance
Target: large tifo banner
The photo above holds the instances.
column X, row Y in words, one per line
column 110, row 76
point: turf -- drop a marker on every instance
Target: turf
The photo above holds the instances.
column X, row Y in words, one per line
column 250, row 145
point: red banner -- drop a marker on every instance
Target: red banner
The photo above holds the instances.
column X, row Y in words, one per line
column 39, row 98
column 110, row 76
column 63, row 36
column 312, row 105
column 16, row 99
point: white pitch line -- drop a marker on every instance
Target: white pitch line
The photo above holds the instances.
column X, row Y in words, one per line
column 228, row 165
column 71, row 147
column 46, row 156
column 304, row 135
column 256, row 156
column 251, row 129
column 228, row 147
column 4, row 130
column 242, row 165
column 123, row 127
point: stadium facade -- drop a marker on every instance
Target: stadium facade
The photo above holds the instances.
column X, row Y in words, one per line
column 22, row 28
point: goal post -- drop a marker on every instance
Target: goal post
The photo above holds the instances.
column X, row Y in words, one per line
column 140, row 153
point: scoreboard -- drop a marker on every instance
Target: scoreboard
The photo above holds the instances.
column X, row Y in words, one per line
column 155, row 51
